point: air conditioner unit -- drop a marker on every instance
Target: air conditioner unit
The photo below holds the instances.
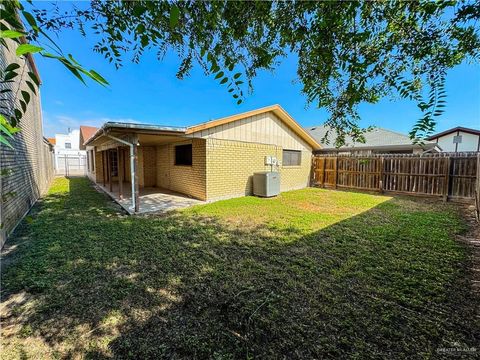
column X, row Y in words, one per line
column 266, row 183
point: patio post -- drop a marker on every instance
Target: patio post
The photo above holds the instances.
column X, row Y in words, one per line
column 109, row 164
column 133, row 169
column 104, row 164
column 120, row 167
column 135, row 187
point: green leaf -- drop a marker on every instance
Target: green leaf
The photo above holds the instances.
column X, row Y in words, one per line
column 23, row 105
column 5, row 142
column 31, row 86
column 10, row 34
column 30, row 19
column 26, row 96
column 174, row 15
column 219, row 75
column 75, row 72
column 224, row 80
column 12, row 66
column 10, row 75
column 27, row 49
column 18, row 114
column 237, row 75
column 98, row 78
column 239, row 101
column 34, row 78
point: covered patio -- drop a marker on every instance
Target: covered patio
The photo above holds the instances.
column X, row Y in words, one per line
column 133, row 165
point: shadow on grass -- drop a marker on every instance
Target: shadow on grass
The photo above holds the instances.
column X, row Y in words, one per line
column 388, row 282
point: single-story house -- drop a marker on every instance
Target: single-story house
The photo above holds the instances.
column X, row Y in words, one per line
column 377, row 141
column 458, row 139
column 210, row 161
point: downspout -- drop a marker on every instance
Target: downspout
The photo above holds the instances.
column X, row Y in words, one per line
column 132, row 165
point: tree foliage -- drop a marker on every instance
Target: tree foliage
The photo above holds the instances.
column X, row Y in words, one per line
column 348, row 52
column 18, row 31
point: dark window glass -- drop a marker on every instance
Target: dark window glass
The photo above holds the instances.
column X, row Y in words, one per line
column 68, row 145
column 183, row 154
column 114, row 163
column 291, row 157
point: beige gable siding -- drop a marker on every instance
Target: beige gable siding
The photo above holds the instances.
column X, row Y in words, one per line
column 264, row 128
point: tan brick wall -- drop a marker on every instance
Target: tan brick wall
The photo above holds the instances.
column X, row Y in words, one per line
column 96, row 173
column 189, row 180
column 148, row 166
column 231, row 164
column 296, row 177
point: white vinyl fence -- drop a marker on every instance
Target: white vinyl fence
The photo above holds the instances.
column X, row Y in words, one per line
column 70, row 164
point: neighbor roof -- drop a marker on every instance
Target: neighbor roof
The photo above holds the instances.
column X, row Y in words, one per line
column 87, row 131
column 455, row 129
column 378, row 137
column 52, row 141
column 276, row 109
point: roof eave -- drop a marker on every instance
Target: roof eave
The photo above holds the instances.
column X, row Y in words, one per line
column 111, row 126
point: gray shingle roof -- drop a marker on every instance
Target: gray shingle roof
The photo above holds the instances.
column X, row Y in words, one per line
column 377, row 137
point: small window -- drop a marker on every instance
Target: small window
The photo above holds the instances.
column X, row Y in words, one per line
column 68, row 145
column 183, row 155
column 292, row 157
column 457, row 139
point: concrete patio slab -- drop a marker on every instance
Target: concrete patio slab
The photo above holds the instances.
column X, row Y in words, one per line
column 152, row 199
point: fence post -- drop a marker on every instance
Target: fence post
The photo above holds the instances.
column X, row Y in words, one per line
column 477, row 190
column 335, row 174
column 381, row 174
column 447, row 179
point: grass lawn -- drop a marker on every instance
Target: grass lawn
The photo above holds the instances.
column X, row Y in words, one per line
column 311, row 274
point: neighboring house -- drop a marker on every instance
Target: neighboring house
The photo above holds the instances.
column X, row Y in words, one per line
column 52, row 141
column 211, row 161
column 86, row 133
column 377, row 141
column 458, row 139
column 70, row 159
column 27, row 169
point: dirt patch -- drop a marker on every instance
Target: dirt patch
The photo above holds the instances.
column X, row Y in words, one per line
column 472, row 239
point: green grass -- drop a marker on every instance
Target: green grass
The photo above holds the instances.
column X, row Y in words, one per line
column 312, row 273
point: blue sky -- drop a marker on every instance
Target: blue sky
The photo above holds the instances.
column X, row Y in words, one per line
column 149, row 92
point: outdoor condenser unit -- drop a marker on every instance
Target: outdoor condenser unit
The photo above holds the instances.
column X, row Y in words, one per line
column 266, row 183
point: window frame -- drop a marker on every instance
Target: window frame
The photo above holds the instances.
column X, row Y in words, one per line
column 289, row 152
column 186, row 157
column 69, row 145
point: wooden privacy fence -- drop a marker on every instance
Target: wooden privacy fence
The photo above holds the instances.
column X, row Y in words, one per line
column 453, row 177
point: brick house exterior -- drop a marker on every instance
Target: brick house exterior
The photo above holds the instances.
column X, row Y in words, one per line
column 27, row 169
column 224, row 154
